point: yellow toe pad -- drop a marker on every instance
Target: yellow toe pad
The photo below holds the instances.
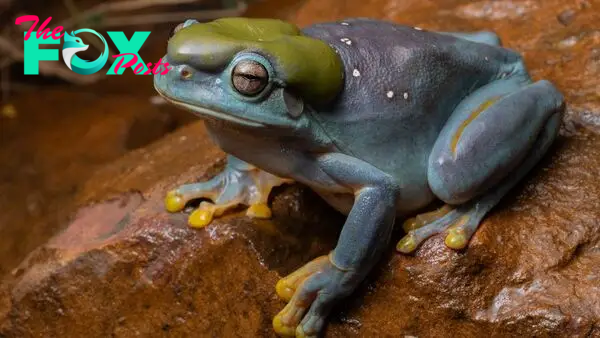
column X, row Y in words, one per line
column 456, row 239
column 284, row 291
column 281, row 329
column 407, row 244
column 200, row 218
column 259, row 210
column 174, row 202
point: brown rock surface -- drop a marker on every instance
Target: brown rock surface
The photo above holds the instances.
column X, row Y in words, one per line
column 124, row 267
column 532, row 269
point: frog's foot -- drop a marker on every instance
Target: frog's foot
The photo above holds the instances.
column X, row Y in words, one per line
column 420, row 220
column 459, row 226
column 239, row 184
column 311, row 292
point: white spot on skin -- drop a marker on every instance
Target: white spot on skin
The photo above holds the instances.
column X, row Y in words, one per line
column 390, row 94
column 419, row 28
column 405, row 95
column 356, row 73
column 486, row 58
column 348, row 42
column 217, row 81
column 345, row 24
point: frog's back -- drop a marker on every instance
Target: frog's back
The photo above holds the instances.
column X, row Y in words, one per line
column 401, row 84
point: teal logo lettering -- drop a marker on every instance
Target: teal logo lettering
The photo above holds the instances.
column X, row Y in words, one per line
column 72, row 44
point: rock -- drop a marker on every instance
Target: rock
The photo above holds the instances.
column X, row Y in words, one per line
column 59, row 139
column 125, row 267
column 566, row 17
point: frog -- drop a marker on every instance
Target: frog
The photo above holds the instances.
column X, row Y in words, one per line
column 382, row 120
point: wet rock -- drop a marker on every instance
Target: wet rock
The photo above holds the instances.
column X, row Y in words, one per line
column 568, row 42
column 497, row 10
column 124, row 267
column 59, row 139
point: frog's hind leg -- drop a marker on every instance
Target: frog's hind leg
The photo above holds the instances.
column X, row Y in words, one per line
column 239, row 183
column 490, row 142
column 486, row 37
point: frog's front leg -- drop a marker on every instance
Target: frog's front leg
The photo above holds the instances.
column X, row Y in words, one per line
column 490, row 142
column 312, row 290
column 240, row 183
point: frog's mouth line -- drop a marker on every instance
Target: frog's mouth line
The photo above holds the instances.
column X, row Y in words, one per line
column 205, row 112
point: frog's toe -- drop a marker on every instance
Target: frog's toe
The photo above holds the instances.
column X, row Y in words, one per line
column 238, row 184
column 456, row 239
column 175, row 200
column 408, row 243
column 314, row 290
column 286, row 322
column 207, row 211
column 414, row 238
column 423, row 219
column 315, row 319
column 200, row 218
column 460, row 233
column 259, row 210
column 459, row 227
column 287, row 286
column 283, row 329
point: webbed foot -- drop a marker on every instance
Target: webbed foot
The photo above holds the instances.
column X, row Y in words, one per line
column 240, row 183
column 311, row 292
column 459, row 225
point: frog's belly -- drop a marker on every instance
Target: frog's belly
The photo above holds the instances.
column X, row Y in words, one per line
column 275, row 158
column 343, row 202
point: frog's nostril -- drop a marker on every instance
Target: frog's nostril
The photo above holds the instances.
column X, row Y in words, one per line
column 186, row 73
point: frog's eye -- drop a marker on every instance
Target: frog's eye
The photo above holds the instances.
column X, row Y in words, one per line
column 176, row 29
column 249, row 77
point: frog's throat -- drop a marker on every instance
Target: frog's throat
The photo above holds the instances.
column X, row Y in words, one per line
column 339, row 146
column 209, row 113
column 308, row 65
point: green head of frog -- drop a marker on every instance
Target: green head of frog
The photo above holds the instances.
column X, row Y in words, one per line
column 251, row 72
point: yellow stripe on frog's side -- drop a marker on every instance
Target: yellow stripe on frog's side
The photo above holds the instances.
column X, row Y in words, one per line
column 482, row 107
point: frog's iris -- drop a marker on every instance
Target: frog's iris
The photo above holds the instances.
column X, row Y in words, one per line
column 249, row 77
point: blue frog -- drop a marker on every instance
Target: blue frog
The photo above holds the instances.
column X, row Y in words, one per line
column 379, row 119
